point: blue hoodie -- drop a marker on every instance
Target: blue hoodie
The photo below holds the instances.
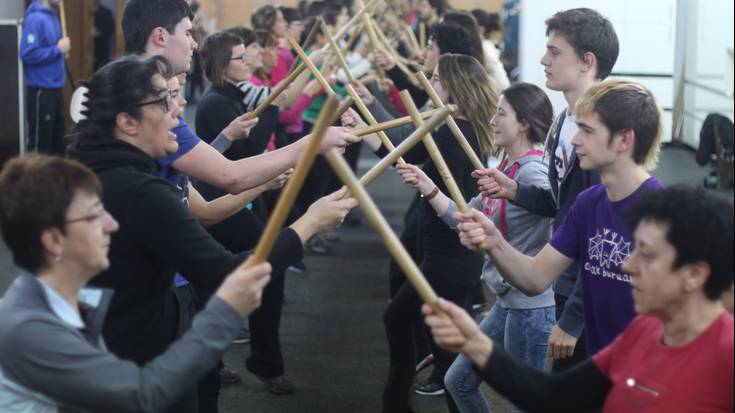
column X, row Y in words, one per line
column 43, row 62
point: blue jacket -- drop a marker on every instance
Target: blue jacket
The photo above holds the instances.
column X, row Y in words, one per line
column 43, row 62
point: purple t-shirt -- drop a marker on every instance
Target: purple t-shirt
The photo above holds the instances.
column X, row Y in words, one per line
column 187, row 140
column 595, row 233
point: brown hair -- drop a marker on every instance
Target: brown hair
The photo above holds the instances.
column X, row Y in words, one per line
column 626, row 104
column 471, row 89
column 216, row 54
column 264, row 17
column 265, row 39
column 35, row 193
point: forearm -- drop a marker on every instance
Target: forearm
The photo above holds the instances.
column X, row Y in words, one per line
column 226, row 206
column 572, row 317
column 535, row 199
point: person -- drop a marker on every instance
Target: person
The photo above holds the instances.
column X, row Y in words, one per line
column 518, row 322
column 164, row 28
column 489, row 29
column 581, row 50
column 270, row 18
column 42, row 51
column 428, row 12
column 449, row 268
column 676, row 355
column 295, row 20
column 619, row 136
column 104, row 30
column 128, row 121
column 52, row 355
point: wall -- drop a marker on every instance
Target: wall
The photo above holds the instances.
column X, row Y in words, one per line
column 12, row 9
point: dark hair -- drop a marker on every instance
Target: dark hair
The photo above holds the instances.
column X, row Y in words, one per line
column 264, row 17
column 216, row 53
column 467, row 22
column 588, row 31
column 265, row 38
column 290, row 14
column 140, row 17
column 700, row 228
column 457, row 40
column 626, row 104
column 35, row 193
column 309, row 24
column 441, row 6
column 115, row 88
column 245, row 33
column 316, row 8
column 531, row 105
column 488, row 21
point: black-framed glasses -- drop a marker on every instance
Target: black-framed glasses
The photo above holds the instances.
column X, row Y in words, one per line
column 164, row 101
column 240, row 58
column 91, row 218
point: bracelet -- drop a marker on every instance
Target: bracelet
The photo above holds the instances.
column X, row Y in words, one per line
column 430, row 195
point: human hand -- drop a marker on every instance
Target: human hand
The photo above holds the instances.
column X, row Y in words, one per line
column 312, row 88
column 561, row 344
column 243, row 288
column 457, row 332
column 329, row 211
column 240, row 127
column 475, row 230
column 383, row 60
column 350, row 119
column 279, row 181
column 317, row 57
column 385, row 84
column 64, row 45
column 494, row 183
column 364, row 93
column 337, row 138
column 414, row 177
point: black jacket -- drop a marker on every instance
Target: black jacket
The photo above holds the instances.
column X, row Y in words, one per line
column 157, row 238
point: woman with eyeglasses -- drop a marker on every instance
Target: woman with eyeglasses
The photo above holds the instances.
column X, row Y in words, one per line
column 127, row 127
column 52, row 354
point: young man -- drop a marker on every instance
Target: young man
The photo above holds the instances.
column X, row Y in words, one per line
column 42, row 51
column 581, row 50
column 619, row 136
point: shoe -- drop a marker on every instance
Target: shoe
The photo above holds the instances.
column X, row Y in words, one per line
column 229, row 376
column 243, row 337
column 317, row 246
column 426, row 362
column 429, row 389
column 277, row 385
column 298, row 267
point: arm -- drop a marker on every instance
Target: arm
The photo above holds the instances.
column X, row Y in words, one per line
column 530, row 275
column 211, row 212
column 415, row 178
column 36, row 51
column 538, row 200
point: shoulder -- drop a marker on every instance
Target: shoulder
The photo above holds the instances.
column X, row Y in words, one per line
column 591, row 195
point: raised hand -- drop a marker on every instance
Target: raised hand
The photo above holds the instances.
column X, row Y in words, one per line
column 457, row 332
column 494, row 183
column 350, row 119
column 476, row 229
column 337, row 138
column 243, row 288
column 414, row 177
column 329, row 211
column 240, row 127
column 383, row 60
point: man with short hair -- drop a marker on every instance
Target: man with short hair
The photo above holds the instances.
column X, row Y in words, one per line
column 42, row 50
column 581, row 50
column 619, row 134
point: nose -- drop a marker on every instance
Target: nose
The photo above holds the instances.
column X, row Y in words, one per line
column 493, row 122
column 545, row 59
column 576, row 142
column 630, row 266
column 111, row 224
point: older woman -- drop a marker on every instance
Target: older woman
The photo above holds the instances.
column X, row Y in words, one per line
column 676, row 355
column 51, row 350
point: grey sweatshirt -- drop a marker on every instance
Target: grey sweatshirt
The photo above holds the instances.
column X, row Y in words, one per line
column 526, row 232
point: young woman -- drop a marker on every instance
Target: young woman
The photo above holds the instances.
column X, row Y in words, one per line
column 519, row 322
column 270, row 19
column 452, row 270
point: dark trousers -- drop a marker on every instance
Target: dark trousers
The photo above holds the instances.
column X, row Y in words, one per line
column 45, row 110
column 241, row 233
column 452, row 274
column 580, row 350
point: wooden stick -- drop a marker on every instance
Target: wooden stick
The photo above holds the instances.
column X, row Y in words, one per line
column 381, row 226
column 312, row 67
column 393, row 123
column 62, row 17
column 348, row 102
column 404, row 147
column 392, row 51
column 337, row 51
column 371, row 120
column 310, row 37
column 280, row 87
column 373, row 38
column 289, row 193
column 461, row 139
column 436, row 156
column 422, row 35
column 353, row 38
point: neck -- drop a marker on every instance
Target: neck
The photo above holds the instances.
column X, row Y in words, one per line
column 573, row 95
column 690, row 319
column 66, row 286
column 517, row 149
column 623, row 179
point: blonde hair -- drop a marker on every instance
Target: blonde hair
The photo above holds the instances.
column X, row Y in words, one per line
column 474, row 92
column 623, row 103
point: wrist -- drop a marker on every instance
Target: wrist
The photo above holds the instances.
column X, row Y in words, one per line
column 430, row 195
column 227, row 133
column 479, row 350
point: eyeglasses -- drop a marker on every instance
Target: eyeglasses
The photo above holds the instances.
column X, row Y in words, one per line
column 165, row 101
column 240, row 58
column 91, row 218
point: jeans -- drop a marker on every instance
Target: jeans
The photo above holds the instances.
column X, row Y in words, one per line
column 524, row 334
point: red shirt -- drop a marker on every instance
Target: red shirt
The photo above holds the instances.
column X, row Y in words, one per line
column 648, row 376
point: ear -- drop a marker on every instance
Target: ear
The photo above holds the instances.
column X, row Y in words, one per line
column 158, row 37
column 696, row 275
column 127, row 124
column 626, row 141
column 52, row 242
column 589, row 61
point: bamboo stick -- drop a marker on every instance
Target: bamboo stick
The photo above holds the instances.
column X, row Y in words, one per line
column 373, row 38
column 392, row 51
column 393, row 123
column 461, row 139
column 381, row 226
column 422, row 35
column 371, row 120
column 62, row 17
column 277, row 91
column 337, row 51
column 436, row 156
column 289, row 193
column 404, row 147
column 310, row 65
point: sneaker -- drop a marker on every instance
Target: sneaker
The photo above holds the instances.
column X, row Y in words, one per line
column 298, row 267
column 229, row 376
column 277, row 385
column 426, row 362
column 243, row 337
column 429, row 388
column 317, row 246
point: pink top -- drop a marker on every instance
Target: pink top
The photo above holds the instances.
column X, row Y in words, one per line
column 285, row 61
